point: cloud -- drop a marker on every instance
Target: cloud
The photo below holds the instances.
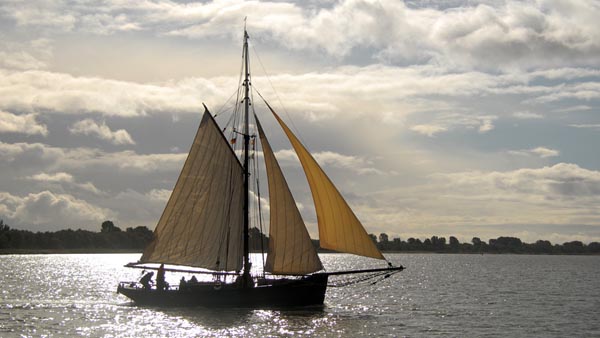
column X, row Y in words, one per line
column 545, row 152
column 496, row 34
column 585, row 91
column 561, row 194
column 25, row 55
column 90, row 127
column 159, row 194
column 444, row 122
column 573, row 109
column 331, row 159
column 562, row 181
column 85, row 158
column 10, row 152
column 65, row 178
column 49, row 211
column 383, row 93
column 149, row 206
column 542, row 152
column 129, row 160
column 358, row 164
column 586, row 126
column 19, row 60
column 56, row 177
column 428, row 129
column 60, row 93
column 524, row 115
column 24, row 124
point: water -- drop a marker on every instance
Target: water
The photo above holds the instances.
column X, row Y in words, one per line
column 438, row 295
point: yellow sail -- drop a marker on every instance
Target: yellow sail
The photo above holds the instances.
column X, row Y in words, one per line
column 201, row 225
column 339, row 228
column 291, row 251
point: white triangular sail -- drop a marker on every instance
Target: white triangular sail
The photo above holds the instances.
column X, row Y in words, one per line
column 202, row 224
column 291, row 251
column 339, row 228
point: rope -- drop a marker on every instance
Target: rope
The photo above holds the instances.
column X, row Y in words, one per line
column 362, row 279
column 287, row 114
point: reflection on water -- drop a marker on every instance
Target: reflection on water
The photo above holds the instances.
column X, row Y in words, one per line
column 445, row 295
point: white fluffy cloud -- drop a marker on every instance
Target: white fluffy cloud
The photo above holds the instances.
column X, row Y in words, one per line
column 560, row 194
column 56, row 177
column 527, row 115
column 62, row 93
column 384, row 93
column 91, row 127
column 25, row 124
column 428, row 129
column 61, row 158
column 449, row 121
column 542, row 152
column 586, row 126
column 509, row 33
column 10, row 152
column 65, row 178
column 563, row 181
column 50, row 210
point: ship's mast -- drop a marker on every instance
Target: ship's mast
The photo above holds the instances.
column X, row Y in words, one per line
column 246, row 276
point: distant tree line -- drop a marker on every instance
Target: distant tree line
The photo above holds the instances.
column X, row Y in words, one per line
column 110, row 238
column 113, row 238
column 498, row 245
column 453, row 245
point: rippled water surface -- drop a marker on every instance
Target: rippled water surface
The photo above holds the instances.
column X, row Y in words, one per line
column 437, row 295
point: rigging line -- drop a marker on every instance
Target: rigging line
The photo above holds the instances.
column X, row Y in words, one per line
column 237, row 107
column 218, row 113
column 277, row 95
column 237, row 110
column 385, row 276
column 360, row 279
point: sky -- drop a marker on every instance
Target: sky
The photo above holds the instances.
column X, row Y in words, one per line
column 432, row 117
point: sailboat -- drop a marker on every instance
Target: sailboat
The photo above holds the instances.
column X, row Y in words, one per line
column 205, row 226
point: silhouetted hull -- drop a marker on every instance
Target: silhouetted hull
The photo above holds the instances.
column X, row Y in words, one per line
column 307, row 291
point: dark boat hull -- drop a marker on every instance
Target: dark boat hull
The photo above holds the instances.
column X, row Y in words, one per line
column 308, row 291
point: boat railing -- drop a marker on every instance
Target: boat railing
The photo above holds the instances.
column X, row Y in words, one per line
column 138, row 285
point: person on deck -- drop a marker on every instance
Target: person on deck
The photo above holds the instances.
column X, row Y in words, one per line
column 160, row 278
column 146, row 279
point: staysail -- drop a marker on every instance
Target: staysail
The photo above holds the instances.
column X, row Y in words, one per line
column 201, row 225
column 339, row 228
column 291, row 251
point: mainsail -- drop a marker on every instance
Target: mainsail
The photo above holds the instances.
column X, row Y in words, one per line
column 291, row 251
column 339, row 228
column 201, row 225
